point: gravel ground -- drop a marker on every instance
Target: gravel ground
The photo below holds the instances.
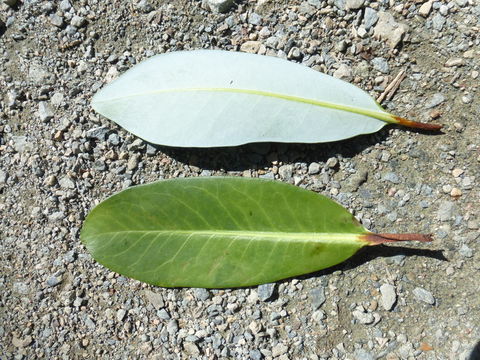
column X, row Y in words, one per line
column 58, row 159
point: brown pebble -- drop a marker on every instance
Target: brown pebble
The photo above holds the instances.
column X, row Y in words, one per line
column 456, row 192
column 457, row 172
column 58, row 136
column 435, row 114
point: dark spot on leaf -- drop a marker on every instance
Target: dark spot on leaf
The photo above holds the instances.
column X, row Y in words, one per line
column 317, row 249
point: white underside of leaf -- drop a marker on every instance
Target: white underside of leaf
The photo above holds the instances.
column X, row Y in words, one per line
column 218, row 98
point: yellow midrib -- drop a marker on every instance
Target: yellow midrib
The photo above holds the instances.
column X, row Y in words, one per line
column 298, row 236
column 380, row 115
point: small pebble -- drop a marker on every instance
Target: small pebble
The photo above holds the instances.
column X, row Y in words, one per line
column 424, row 296
column 456, row 192
column 54, row 281
column 314, row 168
column 457, row 172
column 389, row 297
column 318, row 298
column 45, row 111
column 121, row 314
column 266, row 291
column 363, row 317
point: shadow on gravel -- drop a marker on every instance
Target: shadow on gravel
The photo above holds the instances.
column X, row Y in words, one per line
column 369, row 253
column 3, row 28
column 420, row 131
column 260, row 155
column 475, row 354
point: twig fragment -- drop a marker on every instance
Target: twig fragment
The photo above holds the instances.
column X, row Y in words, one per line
column 392, row 87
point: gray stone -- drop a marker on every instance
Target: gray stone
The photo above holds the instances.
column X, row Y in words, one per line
column 56, row 20
column 354, row 4
column 98, row 133
column 155, row 299
column 424, row 295
column 361, row 354
column 317, row 296
column 54, row 281
column 57, row 99
column 89, row 323
column 220, row 6
column 340, row 4
column 343, row 72
column 254, row 19
column 121, row 314
column 191, row 348
column 370, row 18
column 172, row 327
column 381, row 65
column 355, row 180
column 446, row 210
column 133, row 162
column 65, row 5
column 256, row 355
column 389, row 297
column 285, row 172
column 66, row 183
column 21, row 343
column 306, row 8
column 251, row 47
column 45, row 111
column 279, row 350
column 406, row 351
column 20, row 288
column 163, row 314
column 388, row 29
column 56, row 216
column 201, row 294
column 436, row 100
column 78, row 21
column 3, row 177
column 314, row 168
column 20, row 143
column 391, row 177
column 318, row 316
column 144, row 6
column 332, row 162
column 266, row 291
column 363, row 317
column 465, row 251
column 438, row 22
column 113, row 139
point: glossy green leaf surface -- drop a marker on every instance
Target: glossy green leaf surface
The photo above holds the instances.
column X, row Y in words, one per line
column 219, row 232
column 209, row 98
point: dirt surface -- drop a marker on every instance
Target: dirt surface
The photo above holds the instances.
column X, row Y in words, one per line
column 58, row 159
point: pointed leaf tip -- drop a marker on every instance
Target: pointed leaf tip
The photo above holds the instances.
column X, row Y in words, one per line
column 377, row 239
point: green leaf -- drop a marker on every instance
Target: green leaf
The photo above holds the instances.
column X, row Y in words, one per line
column 209, row 98
column 218, row 232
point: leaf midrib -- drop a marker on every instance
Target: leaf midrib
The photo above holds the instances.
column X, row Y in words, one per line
column 380, row 115
column 300, row 236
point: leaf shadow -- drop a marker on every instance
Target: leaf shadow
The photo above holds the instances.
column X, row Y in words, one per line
column 475, row 354
column 367, row 254
column 421, row 131
column 257, row 156
column 363, row 256
column 3, row 28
